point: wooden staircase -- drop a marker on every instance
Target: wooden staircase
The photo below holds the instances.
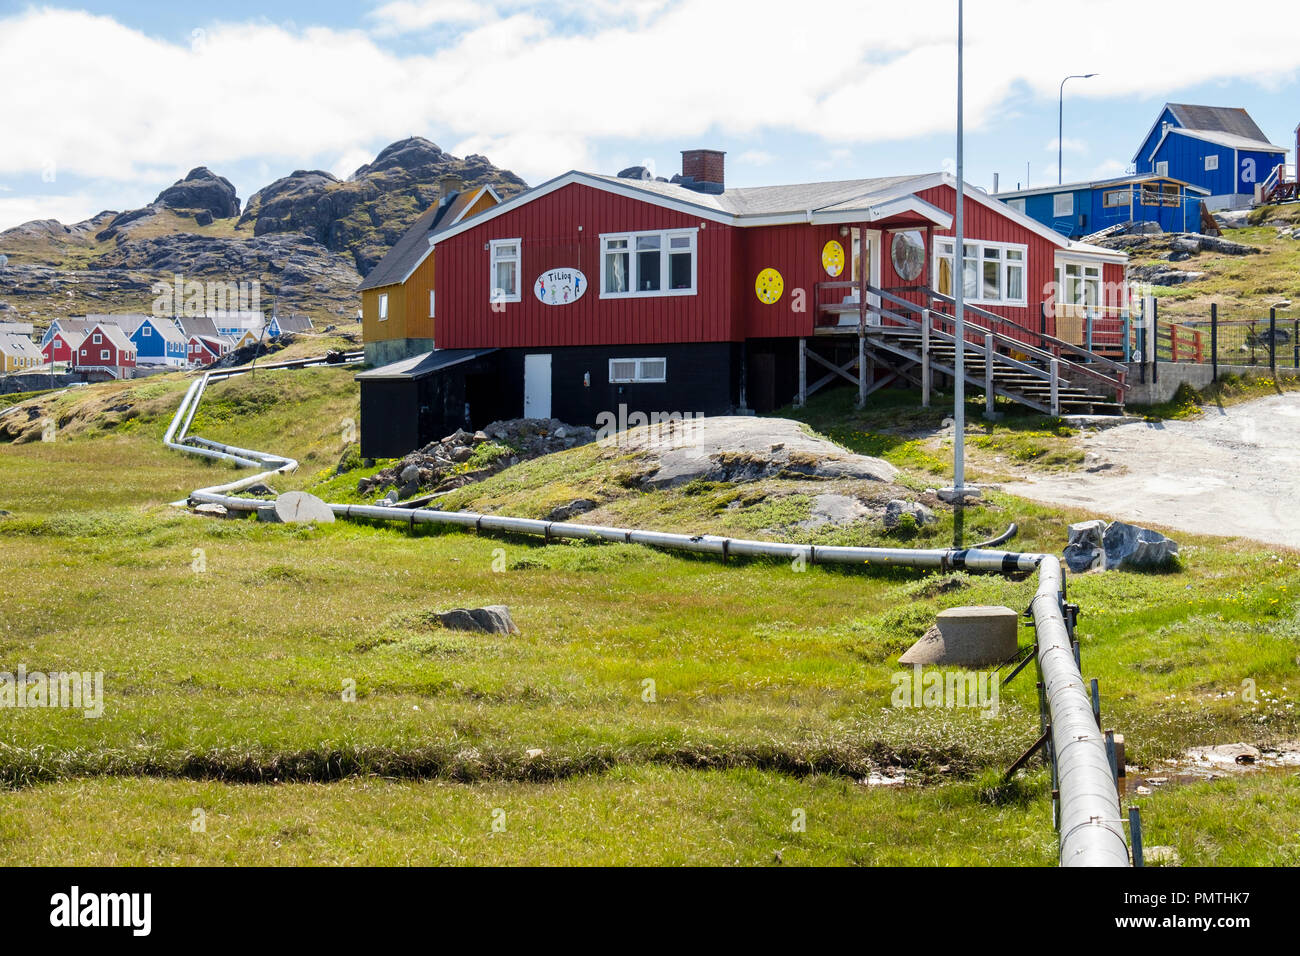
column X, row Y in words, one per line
column 913, row 341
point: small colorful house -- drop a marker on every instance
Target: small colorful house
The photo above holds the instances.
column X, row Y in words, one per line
column 158, row 341
column 61, row 347
column 203, row 349
column 398, row 300
column 594, row 293
column 288, row 324
column 1216, row 148
column 1080, row 209
column 18, row 353
column 107, row 349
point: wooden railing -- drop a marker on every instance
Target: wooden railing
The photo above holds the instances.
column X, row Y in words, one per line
column 982, row 329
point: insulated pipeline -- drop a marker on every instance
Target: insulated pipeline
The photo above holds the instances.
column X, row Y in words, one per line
column 1089, row 819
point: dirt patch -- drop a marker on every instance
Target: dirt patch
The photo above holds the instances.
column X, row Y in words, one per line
column 1224, row 473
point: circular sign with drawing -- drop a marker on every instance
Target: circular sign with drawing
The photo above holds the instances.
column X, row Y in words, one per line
column 560, row 286
column 908, row 254
column 833, row 258
column 768, row 286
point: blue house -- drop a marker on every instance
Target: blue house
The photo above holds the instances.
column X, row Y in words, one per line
column 1218, row 148
column 282, row 324
column 1080, row 209
column 158, row 341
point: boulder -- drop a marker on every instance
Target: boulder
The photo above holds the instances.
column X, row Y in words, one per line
column 1083, row 550
column 1128, row 546
column 575, row 507
column 974, row 636
column 895, row 509
column 211, row 509
column 493, row 619
column 298, row 507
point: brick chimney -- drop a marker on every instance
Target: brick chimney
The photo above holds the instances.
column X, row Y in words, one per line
column 449, row 185
column 704, row 166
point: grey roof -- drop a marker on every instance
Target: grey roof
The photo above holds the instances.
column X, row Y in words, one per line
column 296, row 322
column 17, row 328
column 20, row 345
column 167, row 329
column 116, row 336
column 197, row 325
column 409, row 249
column 1218, row 119
column 128, row 322
column 776, row 200
column 1231, row 140
column 418, row 366
column 1097, row 184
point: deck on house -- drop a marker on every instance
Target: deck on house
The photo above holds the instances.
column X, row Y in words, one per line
column 909, row 334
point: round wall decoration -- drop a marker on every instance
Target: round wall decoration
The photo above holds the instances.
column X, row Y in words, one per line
column 908, row 254
column 768, row 286
column 833, row 258
column 560, row 286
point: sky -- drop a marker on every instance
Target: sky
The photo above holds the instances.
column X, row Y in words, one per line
column 104, row 103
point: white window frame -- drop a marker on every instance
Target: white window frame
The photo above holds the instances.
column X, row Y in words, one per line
column 1090, row 273
column 500, row 295
column 97, row 339
column 103, row 355
column 1017, row 204
column 666, row 236
column 431, row 303
column 1126, row 194
column 639, row 376
column 1162, row 168
column 1062, row 205
column 1211, row 162
column 145, row 330
column 944, row 247
column 383, row 307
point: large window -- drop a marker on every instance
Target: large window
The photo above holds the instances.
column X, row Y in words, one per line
column 505, row 270
column 647, row 263
column 1063, row 204
column 992, row 273
column 1079, row 285
column 624, row 370
column 1116, row 197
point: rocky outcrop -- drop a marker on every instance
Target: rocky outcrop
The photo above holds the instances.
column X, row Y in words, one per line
column 364, row 215
column 202, row 189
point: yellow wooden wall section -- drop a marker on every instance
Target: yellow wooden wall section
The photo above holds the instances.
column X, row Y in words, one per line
column 408, row 303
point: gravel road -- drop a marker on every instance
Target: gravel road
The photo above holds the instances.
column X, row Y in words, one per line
column 1233, row 471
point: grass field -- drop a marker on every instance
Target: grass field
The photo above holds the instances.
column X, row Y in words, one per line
column 655, row 708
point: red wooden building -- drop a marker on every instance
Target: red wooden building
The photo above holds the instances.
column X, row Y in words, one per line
column 591, row 292
column 106, row 349
column 62, row 347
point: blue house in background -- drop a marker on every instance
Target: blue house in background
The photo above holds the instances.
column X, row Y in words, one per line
column 1217, row 148
column 1080, row 209
column 159, row 342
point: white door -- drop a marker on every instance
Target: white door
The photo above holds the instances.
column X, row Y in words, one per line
column 873, row 264
column 537, row 386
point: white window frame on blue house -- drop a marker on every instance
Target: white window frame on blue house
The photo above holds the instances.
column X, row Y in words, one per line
column 1062, row 205
column 1211, row 162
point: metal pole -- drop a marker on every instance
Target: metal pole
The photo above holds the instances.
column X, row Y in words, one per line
column 990, row 402
column 959, row 355
column 1295, row 345
column 925, row 358
column 1060, row 121
column 1155, row 340
column 1214, row 340
column 1272, row 340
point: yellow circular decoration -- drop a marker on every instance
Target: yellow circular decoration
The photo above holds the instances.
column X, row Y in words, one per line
column 833, row 258
column 768, row 286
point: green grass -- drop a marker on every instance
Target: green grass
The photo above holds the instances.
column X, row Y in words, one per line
column 227, row 648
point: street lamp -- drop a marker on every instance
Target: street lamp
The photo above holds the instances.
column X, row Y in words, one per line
column 1060, row 119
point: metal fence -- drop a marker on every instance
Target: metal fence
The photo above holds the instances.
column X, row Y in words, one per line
column 1264, row 341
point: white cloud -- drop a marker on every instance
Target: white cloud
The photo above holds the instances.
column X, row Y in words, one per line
column 538, row 86
column 755, row 157
column 1071, row 145
column 351, row 160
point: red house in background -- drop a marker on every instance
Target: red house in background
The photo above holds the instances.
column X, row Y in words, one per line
column 62, row 347
column 105, row 349
column 592, row 292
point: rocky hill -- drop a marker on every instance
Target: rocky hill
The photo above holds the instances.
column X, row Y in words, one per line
column 308, row 238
